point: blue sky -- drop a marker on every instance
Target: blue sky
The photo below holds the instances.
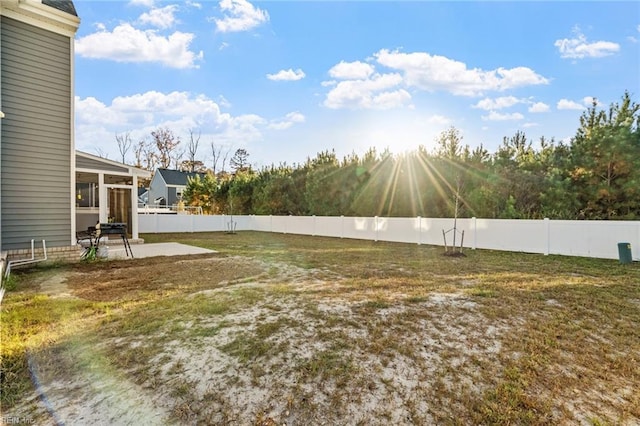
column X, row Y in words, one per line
column 287, row 79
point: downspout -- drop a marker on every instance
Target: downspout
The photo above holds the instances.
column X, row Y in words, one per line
column 134, row 207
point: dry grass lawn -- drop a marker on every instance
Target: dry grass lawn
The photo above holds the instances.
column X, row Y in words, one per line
column 282, row 329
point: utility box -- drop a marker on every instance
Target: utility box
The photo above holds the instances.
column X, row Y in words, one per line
column 624, row 253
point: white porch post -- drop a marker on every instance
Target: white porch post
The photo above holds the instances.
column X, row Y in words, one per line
column 102, row 196
column 134, row 208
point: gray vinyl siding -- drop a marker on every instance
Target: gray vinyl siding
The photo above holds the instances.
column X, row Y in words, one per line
column 35, row 70
column 88, row 163
column 172, row 198
column 157, row 188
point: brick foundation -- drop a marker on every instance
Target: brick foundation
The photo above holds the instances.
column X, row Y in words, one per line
column 54, row 254
column 67, row 254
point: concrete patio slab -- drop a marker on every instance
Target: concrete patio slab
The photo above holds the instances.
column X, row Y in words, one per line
column 155, row 249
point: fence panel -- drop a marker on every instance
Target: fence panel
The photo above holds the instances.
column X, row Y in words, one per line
column 147, row 224
column 399, row 229
column 173, row 223
column 240, row 223
column 360, row 228
column 261, row 223
column 329, row 226
column 528, row 236
column 279, row 224
column 593, row 238
column 302, row 225
column 202, row 223
column 574, row 238
column 431, row 230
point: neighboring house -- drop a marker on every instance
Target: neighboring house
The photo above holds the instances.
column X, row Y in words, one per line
column 143, row 196
column 37, row 148
column 167, row 186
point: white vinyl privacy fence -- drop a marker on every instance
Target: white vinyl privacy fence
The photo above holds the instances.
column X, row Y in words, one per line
column 565, row 237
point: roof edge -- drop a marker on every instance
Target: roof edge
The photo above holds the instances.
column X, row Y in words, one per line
column 134, row 170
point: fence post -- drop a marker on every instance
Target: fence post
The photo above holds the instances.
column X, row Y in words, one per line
column 313, row 232
column 637, row 243
column 375, row 224
column 155, row 223
column 475, row 232
column 342, row 226
column 547, row 233
column 191, row 222
column 419, row 230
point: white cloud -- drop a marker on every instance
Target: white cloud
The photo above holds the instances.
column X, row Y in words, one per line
column 223, row 102
column 570, row 105
column 378, row 92
column 497, row 103
column 539, row 107
column 240, row 15
column 578, row 47
column 358, row 85
column 92, row 111
column 145, row 3
column 389, row 100
column 160, row 18
column 194, row 4
column 139, row 114
column 496, row 116
column 433, row 72
column 351, row 70
column 527, row 125
column 287, row 75
column 128, row 44
column 440, row 120
column 632, row 39
column 289, row 120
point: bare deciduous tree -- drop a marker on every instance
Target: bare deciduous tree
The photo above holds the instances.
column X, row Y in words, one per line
column 224, row 160
column 166, row 144
column 216, row 156
column 177, row 158
column 192, row 149
column 145, row 154
column 124, row 144
column 101, row 153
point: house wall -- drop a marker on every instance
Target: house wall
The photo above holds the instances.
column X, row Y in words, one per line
column 89, row 163
column 157, row 188
column 172, row 197
column 36, row 147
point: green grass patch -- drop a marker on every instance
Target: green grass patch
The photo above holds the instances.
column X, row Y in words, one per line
column 491, row 338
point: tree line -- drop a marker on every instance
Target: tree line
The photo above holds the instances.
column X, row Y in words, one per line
column 164, row 149
column 595, row 175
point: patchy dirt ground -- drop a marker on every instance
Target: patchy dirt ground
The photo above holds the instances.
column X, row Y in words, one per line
column 233, row 340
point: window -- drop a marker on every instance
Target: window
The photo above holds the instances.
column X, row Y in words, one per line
column 87, row 195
